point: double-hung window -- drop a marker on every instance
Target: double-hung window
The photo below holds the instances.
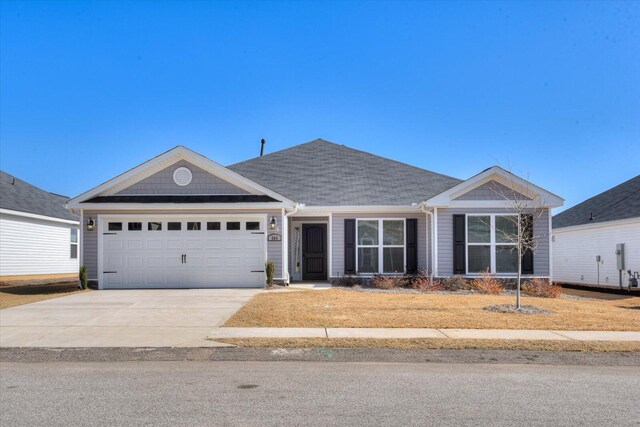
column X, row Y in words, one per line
column 73, row 242
column 492, row 244
column 380, row 246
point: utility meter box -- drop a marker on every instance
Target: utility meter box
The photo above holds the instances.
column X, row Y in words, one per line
column 620, row 256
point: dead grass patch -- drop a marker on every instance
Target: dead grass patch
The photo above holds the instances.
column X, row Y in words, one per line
column 350, row 309
column 436, row 344
column 18, row 295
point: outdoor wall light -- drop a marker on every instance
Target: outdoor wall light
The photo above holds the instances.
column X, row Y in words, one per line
column 90, row 224
column 273, row 223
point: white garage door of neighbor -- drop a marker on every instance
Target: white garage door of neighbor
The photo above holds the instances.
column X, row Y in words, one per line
column 204, row 252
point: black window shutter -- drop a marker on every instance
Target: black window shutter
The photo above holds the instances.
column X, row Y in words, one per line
column 349, row 246
column 527, row 255
column 459, row 242
column 412, row 245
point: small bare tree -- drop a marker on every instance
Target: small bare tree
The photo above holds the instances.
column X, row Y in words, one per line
column 525, row 207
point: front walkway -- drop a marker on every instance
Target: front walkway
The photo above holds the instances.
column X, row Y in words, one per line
column 122, row 318
column 412, row 333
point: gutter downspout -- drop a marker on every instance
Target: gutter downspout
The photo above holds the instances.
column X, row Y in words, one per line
column 423, row 208
column 285, row 243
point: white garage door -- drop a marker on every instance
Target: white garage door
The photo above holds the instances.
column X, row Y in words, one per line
column 203, row 252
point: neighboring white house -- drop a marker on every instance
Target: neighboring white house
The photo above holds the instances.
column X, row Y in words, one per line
column 597, row 242
column 38, row 235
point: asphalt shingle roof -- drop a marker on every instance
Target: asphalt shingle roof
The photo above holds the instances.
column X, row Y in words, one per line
column 321, row 173
column 619, row 202
column 21, row 196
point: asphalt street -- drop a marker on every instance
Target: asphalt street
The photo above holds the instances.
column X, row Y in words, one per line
column 316, row 393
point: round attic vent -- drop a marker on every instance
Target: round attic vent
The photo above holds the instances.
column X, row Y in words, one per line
column 182, row 176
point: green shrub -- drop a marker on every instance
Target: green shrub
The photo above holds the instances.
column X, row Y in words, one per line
column 270, row 269
column 454, row 283
column 381, row 281
column 84, row 283
column 540, row 288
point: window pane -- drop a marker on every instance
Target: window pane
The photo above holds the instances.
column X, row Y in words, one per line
column 213, row 226
column 74, row 235
column 74, row 251
column 174, row 226
column 367, row 260
column 506, row 229
column 233, row 226
column 479, row 259
column 368, row 232
column 193, row 226
column 393, row 232
column 253, row 225
column 154, row 226
column 135, row 226
column 115, row 226
column 479, row 230
column 393, row 260
column 506, row 259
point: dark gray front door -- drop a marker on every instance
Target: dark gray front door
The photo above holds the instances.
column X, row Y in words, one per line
column 314, row 251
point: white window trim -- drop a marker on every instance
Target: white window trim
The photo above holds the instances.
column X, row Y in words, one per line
column 492, row 243
column 72, row 243
column 380, row 246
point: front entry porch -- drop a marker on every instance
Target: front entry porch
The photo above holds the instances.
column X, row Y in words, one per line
column 309, row 249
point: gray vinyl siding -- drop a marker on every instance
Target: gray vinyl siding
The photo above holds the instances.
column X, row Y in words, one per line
column 491, row 190
column 337, row 240
column 90, row 238
column 445, row 238
column 202, row 182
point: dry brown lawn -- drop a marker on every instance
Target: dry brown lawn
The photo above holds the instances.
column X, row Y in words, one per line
column 436, row 344
column 11, row 296
column 352, row 309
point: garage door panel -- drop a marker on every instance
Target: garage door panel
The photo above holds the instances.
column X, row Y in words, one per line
column 174, row 244
column 155, row 261
column 233, row 243
column 253, row 244
column 214, row 258
column 194, row 244
column 213, row 244
column 116, row 245
column 155, row 244
column 135, row 244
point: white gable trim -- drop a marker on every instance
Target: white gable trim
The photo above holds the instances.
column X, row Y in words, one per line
column 36, row 216
column 166, row 159
column 539, row 196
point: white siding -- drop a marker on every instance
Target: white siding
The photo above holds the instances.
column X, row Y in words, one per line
column 34, row 246
column 575, row 250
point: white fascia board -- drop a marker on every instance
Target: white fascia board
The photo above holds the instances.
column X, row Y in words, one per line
column 505, row 204
column 180, row 206
column 604, row 224
column 149, row 167
column 498, row 174
column 36, row 216
column 325, row 210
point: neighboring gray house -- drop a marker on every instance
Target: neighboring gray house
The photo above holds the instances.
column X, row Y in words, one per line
column 317, row 210
column 597, row 242
column 38, row 235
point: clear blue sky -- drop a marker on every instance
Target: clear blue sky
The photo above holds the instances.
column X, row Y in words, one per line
column 550, row 90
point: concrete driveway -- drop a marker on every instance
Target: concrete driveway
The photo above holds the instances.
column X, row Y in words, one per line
column 122, row 318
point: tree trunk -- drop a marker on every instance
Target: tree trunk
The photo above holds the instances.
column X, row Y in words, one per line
column 518, row 281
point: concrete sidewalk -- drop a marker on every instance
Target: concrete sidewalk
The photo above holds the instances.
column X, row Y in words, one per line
column 408, row 333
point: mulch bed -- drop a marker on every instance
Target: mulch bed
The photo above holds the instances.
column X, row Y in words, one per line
column 524, row 309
